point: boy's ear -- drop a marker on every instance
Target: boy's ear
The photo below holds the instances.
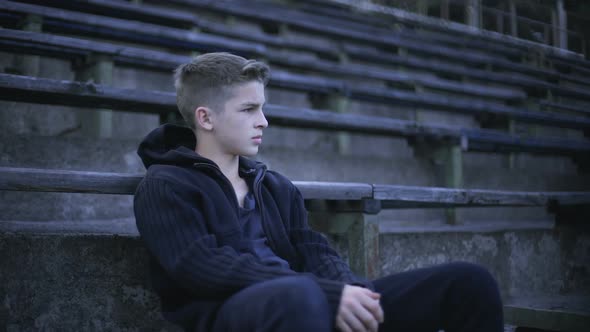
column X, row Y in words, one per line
column 203, row 118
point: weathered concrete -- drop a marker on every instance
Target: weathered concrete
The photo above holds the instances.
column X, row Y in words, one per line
column 76, row 283
column 69, row 153
column 93, row 276
column 525, row 262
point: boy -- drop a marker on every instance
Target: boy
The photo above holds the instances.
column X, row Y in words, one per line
column 229, row 239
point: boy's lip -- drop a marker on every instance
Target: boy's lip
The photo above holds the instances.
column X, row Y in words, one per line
column 259, row 136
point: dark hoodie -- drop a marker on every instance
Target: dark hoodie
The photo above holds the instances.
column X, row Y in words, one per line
column 187, row 214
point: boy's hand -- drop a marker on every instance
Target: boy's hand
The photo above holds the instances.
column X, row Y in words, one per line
column 359, row 310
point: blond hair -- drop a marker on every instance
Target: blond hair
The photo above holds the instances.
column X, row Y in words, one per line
column 207, row 81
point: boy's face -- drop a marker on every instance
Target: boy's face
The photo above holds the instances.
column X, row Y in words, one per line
column 238, row 128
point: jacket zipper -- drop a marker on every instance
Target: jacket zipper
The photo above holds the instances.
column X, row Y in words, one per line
column 258, row 196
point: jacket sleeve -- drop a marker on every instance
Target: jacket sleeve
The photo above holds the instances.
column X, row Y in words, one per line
column 314, row 250
column 171, row 224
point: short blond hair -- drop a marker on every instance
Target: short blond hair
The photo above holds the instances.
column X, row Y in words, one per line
column 207, row 81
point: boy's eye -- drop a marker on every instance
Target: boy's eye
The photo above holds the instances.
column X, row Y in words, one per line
column 247, row 110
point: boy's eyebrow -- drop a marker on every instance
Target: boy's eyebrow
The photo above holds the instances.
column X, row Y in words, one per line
column 250, row 103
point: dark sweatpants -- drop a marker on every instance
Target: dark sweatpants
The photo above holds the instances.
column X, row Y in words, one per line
column 451, row 297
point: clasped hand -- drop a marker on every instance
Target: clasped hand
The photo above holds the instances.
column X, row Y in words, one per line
column 359, row 310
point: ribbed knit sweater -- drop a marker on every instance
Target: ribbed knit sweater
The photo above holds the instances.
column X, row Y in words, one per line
column 188, row 217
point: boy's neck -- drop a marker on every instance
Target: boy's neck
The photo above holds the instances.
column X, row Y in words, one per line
column 228, row 164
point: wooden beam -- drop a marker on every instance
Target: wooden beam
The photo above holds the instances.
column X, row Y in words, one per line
column 334, row 191
column 42, row 180
column 393, row 196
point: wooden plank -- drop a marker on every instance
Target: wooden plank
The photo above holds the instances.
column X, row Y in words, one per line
column 126, row 10
column 55, row 45
column 409, row 197
column 406, row 196
column 566, row 107
column 67, row 93
column 502, row 142
column 136, row 29
column 442, row 102
column 42, row 180
column 334, row 190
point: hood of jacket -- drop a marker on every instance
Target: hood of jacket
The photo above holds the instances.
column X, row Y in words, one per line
column 172, row 144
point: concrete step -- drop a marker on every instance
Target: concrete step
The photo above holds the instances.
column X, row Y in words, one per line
column 92, row 275
column 70, row 153
column 76, row 280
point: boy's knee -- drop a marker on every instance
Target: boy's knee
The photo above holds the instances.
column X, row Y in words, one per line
column 303, row 305
column 475, row 279
column 302, row 293
column 474, row 272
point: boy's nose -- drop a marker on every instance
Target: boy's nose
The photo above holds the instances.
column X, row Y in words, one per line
column 262, row 122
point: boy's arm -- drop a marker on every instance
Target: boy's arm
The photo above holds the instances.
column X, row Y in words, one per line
column 313, row 248
column 172, row 226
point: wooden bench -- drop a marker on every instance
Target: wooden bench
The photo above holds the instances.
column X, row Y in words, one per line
column 437, row 30
column 178, row 38
column 68, row 93
column 342, row 208
column 379, row 37
column 37, row 43
column 412, row 42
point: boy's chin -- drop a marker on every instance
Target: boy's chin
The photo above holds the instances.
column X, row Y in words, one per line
column 251, row 153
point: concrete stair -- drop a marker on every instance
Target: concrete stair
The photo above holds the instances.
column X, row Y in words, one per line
column 93, row 275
